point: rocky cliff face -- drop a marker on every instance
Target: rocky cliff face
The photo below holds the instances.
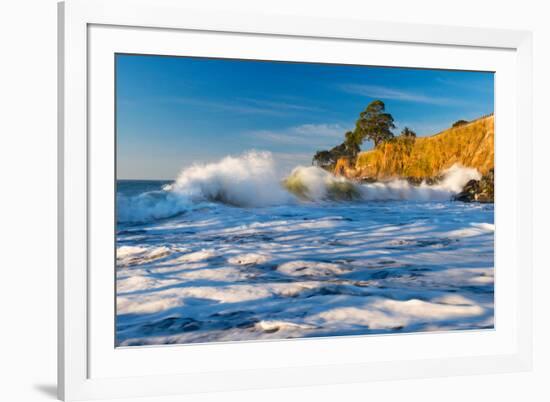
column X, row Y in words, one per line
column 471, row 145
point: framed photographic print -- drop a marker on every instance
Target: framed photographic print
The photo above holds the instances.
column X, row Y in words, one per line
column 258, row 201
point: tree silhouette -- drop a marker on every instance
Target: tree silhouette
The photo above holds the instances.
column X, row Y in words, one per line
column 374, row 124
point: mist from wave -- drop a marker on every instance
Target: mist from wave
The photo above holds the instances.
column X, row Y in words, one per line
column 252, row 180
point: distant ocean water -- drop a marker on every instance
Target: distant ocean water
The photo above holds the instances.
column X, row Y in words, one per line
column 229, row 251
column 132, row 188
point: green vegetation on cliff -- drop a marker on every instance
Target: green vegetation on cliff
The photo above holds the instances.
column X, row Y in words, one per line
column 373, row 124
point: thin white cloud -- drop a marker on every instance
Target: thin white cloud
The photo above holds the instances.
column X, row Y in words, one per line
column 279, row 105
column 375, row 91
column 303, row 134
column 248, row 106
column 229, row 106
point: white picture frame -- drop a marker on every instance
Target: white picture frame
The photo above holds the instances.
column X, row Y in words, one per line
column 89, row 367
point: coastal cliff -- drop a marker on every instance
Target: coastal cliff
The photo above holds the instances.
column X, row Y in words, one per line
column 470, row 144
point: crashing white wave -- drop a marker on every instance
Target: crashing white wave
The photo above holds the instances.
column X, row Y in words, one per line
column 317, row 184
column 454, row 179
column 251, row 180
column 150, row 206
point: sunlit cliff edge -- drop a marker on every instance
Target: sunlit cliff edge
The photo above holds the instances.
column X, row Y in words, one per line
column 470, row 144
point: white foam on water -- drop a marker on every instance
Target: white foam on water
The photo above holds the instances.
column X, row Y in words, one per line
column 196, row 256
column 141, row 282
column 310, row 268
column 131, row 255
column 225, row 274
column 388, row 314
column 248, row 259
column 147, row 304
column 489, row 227
column 277, row 325
column 474, row 229
column 233, row 293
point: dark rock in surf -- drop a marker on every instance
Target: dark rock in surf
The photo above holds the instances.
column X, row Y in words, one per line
column 468, row 192
column 479, row 190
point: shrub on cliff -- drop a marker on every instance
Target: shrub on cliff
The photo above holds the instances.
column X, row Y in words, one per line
column 407, row 132
column 348, row 149
column 328, row 159
column 459, row 123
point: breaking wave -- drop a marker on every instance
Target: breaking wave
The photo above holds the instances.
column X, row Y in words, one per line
column 251, row 180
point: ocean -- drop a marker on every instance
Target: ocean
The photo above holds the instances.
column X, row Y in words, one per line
column 235, row 251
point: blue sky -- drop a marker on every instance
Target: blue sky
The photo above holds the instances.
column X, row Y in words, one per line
column 173, row 112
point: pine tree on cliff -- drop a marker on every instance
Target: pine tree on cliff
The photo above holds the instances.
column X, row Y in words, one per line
column 374, row 124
